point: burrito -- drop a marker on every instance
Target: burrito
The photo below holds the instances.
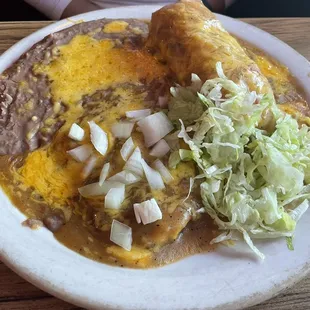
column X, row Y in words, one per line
column 192, row 40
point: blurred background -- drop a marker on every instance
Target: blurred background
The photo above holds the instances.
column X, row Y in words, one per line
column 19, row 10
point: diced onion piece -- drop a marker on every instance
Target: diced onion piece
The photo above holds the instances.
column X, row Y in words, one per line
column 125, row 177
column 122, row 130
column 98, row 138
column 94, row 189
column 153, row 177
column 127, row 148
column 81, row 153
column 147, row 211
column 104, row 173
column 138, row 114
column 160, row 149
column 90, row 165
column 196, row 82
column 164, row 172
column 201, row 210
column 121, row 235
column 76, row 132
column 155, row 127
column 114, row 198
column 133, row 164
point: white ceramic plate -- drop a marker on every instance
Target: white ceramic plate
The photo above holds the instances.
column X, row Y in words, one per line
column 222, row 280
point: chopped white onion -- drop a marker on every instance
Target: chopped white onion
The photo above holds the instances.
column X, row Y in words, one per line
column 153, row 177
column 155, row 127
column 160, row 149
column 114, row 198
column 201, row 210
column 121, row 235
column 147, row 211
column 76, row 132
column 104, row 173
column 196, row 82
column 98, row 138
column 133, row 164
column 125, row 177
column 138, row 114
column 81, row 153
column 90, row 165
column 94, row 189
column 164, row 172
column 122, row 130
column 127, row 148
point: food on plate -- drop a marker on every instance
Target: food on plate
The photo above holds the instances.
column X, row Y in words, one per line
column 138, row 148
column 194, row 45
column 288, row 95
column 253, row 180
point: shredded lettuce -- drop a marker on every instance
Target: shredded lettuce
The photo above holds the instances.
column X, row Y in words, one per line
column 253, row 157
column 185, row 103
column 289, row 242
column 174, row 159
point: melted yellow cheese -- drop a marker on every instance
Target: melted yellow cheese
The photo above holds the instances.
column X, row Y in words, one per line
column 84, row 66
column 115, row 26
column 55, row 174
column 283, row 84
column 139, row 256
column 270, row 69
column 184, row 170
column 52, row 174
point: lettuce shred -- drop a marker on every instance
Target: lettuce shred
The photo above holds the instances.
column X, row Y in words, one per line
column 254, row 158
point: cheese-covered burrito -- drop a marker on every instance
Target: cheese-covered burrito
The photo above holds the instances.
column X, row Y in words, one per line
column 192, row 40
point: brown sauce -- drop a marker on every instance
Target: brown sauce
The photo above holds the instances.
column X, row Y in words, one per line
column 156, row 244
